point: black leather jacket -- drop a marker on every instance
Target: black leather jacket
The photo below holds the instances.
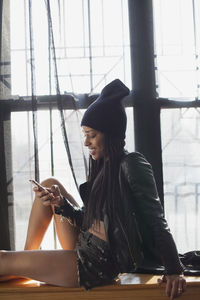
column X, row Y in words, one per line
column 139, row 238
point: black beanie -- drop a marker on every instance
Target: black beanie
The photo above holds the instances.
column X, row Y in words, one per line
column 107, row 114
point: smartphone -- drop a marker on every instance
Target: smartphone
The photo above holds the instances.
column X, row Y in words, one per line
column 37, row 184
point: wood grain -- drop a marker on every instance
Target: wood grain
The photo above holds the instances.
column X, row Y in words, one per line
column 130, row 286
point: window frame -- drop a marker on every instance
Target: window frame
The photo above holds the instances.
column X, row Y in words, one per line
column 143, row 98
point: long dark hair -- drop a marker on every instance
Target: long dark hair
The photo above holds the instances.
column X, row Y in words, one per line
column 103, row 181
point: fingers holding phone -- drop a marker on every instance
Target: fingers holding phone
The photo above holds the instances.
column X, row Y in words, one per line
column 37, row 185
column 44, row 194
column 47, row 196
column 58, row 200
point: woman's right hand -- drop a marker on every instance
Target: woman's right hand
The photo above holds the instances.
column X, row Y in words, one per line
column 49, row 196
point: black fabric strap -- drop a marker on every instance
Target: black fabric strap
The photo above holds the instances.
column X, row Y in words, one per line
column 59, row 97
column 34, row 99
column 72, row 213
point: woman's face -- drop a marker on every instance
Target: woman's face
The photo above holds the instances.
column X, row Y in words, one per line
column 94, row 140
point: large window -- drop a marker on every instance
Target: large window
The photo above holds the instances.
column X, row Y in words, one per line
column 177, row 69
column 92, row 48
column 90, row 52
column 181, row 161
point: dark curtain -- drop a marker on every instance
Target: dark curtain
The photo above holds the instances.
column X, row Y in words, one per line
column 1, row 10
column 4, row 219
column 6, row 200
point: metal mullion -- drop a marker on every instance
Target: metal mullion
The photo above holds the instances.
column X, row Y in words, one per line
column 123, row 44
column 90, row 48
column 1, row 22
column 146, row 106
column 167, row 103
column 84, row 34
column 84, row 100
column 103, row 29
column 26, row 48
column 195, row 46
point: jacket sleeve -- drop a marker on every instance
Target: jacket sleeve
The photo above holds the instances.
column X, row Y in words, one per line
column 138, row 172
column 73, row 214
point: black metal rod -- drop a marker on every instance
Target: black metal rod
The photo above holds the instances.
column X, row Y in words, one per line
column 84, row 100
column 146, row 110
column 90, row 46
column 80, row 101
column 1, row 17
column 142, row 48
column 4, row 219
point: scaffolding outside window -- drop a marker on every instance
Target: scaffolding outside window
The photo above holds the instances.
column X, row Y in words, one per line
column 91, row 49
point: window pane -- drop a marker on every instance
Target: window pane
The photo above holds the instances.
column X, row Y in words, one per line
column 181, row 161
column 23, row 161
column 177, row 44
column 90, row 50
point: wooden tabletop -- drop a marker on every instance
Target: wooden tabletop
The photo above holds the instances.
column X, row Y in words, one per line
column 129, row 287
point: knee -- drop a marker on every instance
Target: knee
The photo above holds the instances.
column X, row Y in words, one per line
column 48, row 182
column 2, row 258
column 2, row 254
column 53, row 181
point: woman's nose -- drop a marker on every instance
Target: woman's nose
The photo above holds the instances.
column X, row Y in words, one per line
column 86, row 142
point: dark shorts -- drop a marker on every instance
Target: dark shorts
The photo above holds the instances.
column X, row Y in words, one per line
column 95, row 263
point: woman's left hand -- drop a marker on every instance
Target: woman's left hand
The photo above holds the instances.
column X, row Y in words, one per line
column 175, row 285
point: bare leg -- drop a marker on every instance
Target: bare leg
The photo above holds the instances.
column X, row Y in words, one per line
column 57, row 267
column 40, row 218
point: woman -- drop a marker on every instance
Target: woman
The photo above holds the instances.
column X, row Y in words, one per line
column 121, row 227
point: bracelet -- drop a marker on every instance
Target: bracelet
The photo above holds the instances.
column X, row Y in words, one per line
column 68, row 219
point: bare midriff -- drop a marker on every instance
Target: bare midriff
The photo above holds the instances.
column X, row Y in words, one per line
column 98, row 230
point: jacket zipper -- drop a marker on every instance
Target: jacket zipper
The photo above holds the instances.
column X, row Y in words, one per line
column 134, row 263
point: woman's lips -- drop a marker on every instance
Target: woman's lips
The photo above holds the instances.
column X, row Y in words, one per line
column 92, row 151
